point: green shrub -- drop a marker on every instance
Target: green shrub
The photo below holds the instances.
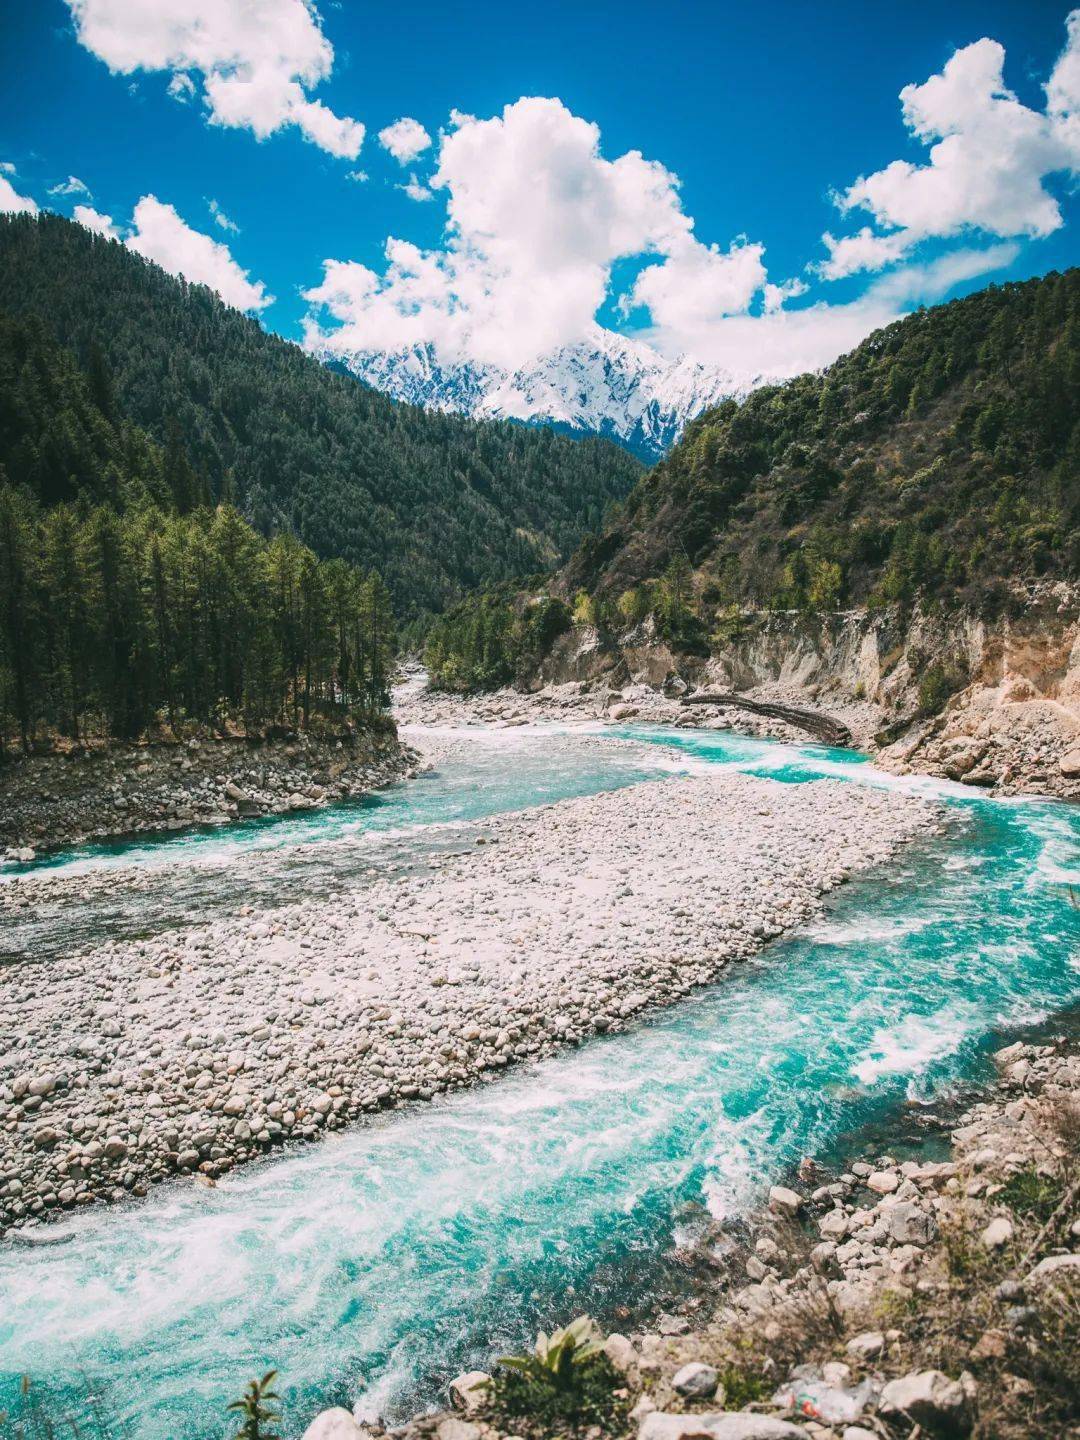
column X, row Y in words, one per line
column 565, row 1383
column 936, row 687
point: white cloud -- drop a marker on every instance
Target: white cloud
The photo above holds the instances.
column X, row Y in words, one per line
column 181, row 87
column 94, row 220
column 360, row 176
column 782, row 343
column 696, row 284
column 416, row 190
column 405, row 139
column 852, row 254
column 71, row 186
column 536, row 218
column 775, row 297
column 221, row 219
column 989, row 159
column 7, row 167
column 160, row 235
column 11, row 202
column 257, row 61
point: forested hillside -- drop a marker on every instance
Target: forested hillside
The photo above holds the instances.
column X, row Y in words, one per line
column 938, row 462
column 436, row 503
column 940, row 459
column 127, row 598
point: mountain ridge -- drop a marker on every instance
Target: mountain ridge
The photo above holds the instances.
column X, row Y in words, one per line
column 606, row 385
column 436, row 503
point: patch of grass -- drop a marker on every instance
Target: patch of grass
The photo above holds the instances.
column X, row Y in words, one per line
column 1030, row 1194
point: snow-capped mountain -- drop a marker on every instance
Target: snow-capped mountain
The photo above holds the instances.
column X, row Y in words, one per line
column 604, row 385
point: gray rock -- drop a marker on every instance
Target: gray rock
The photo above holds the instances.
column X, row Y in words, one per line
column 335, row 1424
column 696, row 1380
column 784, row 1201
column 468, row 1392
column 910, row 1224
column 929, row 1398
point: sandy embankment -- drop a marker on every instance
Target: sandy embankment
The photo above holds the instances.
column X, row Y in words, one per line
column 203, row 1047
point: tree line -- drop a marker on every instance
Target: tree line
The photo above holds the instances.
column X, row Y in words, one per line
column 938, row 461
column 111, row 623
column 436, row 503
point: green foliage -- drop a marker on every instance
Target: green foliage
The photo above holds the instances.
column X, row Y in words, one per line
column 111, row 622
column 258, row 1409
column 936, row 462
column 937, row 685
column 437, row 504
column 1032, row 1195
column 565, row 1383
column 742, row 1386
column 485, row 642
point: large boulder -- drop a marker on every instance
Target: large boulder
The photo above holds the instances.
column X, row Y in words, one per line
column 469, row 1392
column 696, row 1380
column 910, row 1224
column 930, row 1399
column 335, row 1424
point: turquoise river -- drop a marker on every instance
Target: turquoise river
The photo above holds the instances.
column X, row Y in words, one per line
column 370, row 1268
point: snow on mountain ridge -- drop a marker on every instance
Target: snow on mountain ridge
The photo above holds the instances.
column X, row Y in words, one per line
column 606, row 385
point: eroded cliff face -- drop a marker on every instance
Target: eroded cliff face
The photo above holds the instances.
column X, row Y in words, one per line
column 1013, row 713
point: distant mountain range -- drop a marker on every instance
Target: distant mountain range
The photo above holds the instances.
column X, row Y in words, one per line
column 604, row 385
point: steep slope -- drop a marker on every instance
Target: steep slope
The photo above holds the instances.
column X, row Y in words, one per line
column 896, row 541
column 437, row 503
column 939, row 460
column 606, row 385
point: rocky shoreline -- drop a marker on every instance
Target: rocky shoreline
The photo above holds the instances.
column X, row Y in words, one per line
column 207, row 1046
column 99, row 791
column 1004, row 740
column 914, row 1298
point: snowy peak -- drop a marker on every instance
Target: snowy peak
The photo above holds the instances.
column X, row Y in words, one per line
column 604, row 385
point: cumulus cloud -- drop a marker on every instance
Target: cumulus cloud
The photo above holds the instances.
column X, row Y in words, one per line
column 94, row 220
column 536, row 218
column 11, row 202
column 781, row 343
column 864, row 251
column 405, row 139
column 989, row 159
column 416, row 190
column 256, row 62
column 71, row 186
column 161, row 235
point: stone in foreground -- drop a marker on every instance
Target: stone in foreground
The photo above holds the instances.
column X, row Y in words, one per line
column 697, row 1380
column 929, row 1398
column 733, row 1425
column 335, row 1424
column 469, row 1392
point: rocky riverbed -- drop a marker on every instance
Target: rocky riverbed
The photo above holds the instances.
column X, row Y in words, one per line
column 206, row 1046
column 96, row 791
column 893, row 1298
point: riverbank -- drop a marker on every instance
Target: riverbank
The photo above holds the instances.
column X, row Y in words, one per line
column 207, row 1046
column 933, row 1297
column 98, row 790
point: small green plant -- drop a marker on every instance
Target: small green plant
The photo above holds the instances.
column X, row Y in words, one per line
column 936, row 687
column 566, row 1381
column 1029, row 1193
column 258, row 1406
column 742, row 1387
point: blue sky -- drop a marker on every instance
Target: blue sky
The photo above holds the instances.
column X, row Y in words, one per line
column 763, row 112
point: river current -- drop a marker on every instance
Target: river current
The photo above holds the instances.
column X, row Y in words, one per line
column 370, row 1268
